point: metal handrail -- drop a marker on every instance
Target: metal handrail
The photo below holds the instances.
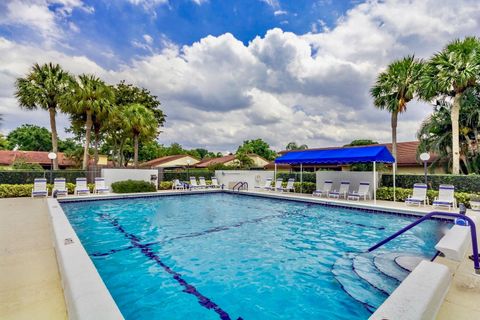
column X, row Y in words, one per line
column 471, row 223
column 240, row 184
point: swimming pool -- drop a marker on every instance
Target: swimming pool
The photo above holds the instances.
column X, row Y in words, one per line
column 227, row 256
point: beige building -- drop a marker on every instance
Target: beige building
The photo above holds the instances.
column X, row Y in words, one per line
column 171, row 162
column 231, row 160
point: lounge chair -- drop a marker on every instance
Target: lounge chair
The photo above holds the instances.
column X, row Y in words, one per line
column 100, row 186
column 267, row 186
column 363, row 192
column 289, row 186
column 203, row 183
column 59, row 187
column 278, row 185
column 446, row 197
column 342, row 191
column 193, row 183
column 177, row 185
column 214, row 183
column 39, row 187
column 327, row 187
column 419, row 195
column 81, row 187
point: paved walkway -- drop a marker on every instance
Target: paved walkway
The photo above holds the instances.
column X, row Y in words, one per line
column 30, row 285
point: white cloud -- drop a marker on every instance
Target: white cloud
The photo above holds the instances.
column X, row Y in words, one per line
column 280, row 12
column 148, row 38
column 282, row 87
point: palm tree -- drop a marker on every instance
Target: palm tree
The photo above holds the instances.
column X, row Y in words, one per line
column 448, row 74
column 394, row 88
column 42, row 88
column 89, row 97
column 141, row 123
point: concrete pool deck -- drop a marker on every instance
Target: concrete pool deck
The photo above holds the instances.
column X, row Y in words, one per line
column 30, row 286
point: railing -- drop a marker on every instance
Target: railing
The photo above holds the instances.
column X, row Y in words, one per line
column 471, row 223
column 240, row 186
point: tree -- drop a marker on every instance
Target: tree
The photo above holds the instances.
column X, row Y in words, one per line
column 362, row 166
column 3, row 143
column 361, row 142
column 449, row 74
column 29, row 137
column 294, row 146
column 141, row 123
column 42, row 88
column 89, row 97
column 245, row 162
column 394, row 88
column 259, row 147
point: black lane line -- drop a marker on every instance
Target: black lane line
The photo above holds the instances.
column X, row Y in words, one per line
column 188, row 288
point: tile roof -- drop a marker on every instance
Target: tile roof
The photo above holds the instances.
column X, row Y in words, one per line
column 161, row 160
column 209, row 162
column 7, row 157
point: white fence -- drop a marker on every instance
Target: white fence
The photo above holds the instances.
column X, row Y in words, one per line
column 254, row 178
column 355, row 177
column 114, row 175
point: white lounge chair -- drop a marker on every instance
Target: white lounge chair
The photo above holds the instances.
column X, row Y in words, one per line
column 59, row 187
column 177, row 185
column 100, row 186
column 342, row 191
column 327, row 187
column 278, row 185
column 363, row 192
column 193, row 183
column 203, row 183
column 446, row 197
column 214, row 183
column 267, row 186
column 419, row 195
column 39, row 187
column 81, row 187
column 289, row 186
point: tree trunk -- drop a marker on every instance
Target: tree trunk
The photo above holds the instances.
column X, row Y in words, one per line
column 96, row 129
column 454, row 115
column 53, row 127
column 88, row 133
column 135, row 151
column 394, row 121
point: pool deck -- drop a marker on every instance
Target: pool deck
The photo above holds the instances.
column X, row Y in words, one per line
column 30, row 285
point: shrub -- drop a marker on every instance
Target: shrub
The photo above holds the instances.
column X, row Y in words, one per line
column 26, row 177
column 386, row 193
column 165, row 185
column 25, row 190
column 132, row 186
column 307, row 176
column 21, row 164
column 184, row 176
column 462, row 183
column 307, row 187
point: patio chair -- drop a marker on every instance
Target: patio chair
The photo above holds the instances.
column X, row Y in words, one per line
column 278, row 185
column 214, row 183
column 342, row 191
column 289, row 186
column 193, row 183
column 39, row 188
column 419, row 195
column 81, row 187
column 100, row 186
column 203, row 183
column 363, row 192
column 267, row 186
column 327, row 187
column 59, row 187
column 446, row 197
column 177, row 185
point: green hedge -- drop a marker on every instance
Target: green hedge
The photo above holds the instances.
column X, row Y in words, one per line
column 307, row 176
column 462, row 183
column 132, row 186
column 184, row 176
column 25, row 190
column 165, row 185
column 386, row 193
column 307, row 187
column 26, row 177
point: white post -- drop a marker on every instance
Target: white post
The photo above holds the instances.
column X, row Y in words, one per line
column 275, row 173
column 301, row 178
column 374, row 182
column 394, row 173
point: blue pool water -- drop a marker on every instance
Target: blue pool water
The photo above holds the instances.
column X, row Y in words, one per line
column 226, row 256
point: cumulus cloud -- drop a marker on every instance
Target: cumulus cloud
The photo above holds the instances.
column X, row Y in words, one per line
column 310, row 88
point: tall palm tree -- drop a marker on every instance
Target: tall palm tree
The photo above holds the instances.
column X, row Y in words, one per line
column 89, row 97
column 141, row 123
column 394, row 88
column 449, row 73
column 42, row 88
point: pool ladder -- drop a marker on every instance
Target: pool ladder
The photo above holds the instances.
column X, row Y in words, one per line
column 242, row 185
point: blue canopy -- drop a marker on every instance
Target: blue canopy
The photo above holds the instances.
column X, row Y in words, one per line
column 338, row 156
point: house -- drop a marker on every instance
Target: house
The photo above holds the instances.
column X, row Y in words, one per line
column 407, row 160
column 231, row 160
column 171, row 162
column 8, row 157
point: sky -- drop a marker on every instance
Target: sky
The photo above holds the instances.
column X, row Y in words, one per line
column 227, row 71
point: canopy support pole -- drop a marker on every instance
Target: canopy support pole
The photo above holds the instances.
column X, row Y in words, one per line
column 301, row 178
column 275, row 173
column 374, row 182
column 394, row 184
